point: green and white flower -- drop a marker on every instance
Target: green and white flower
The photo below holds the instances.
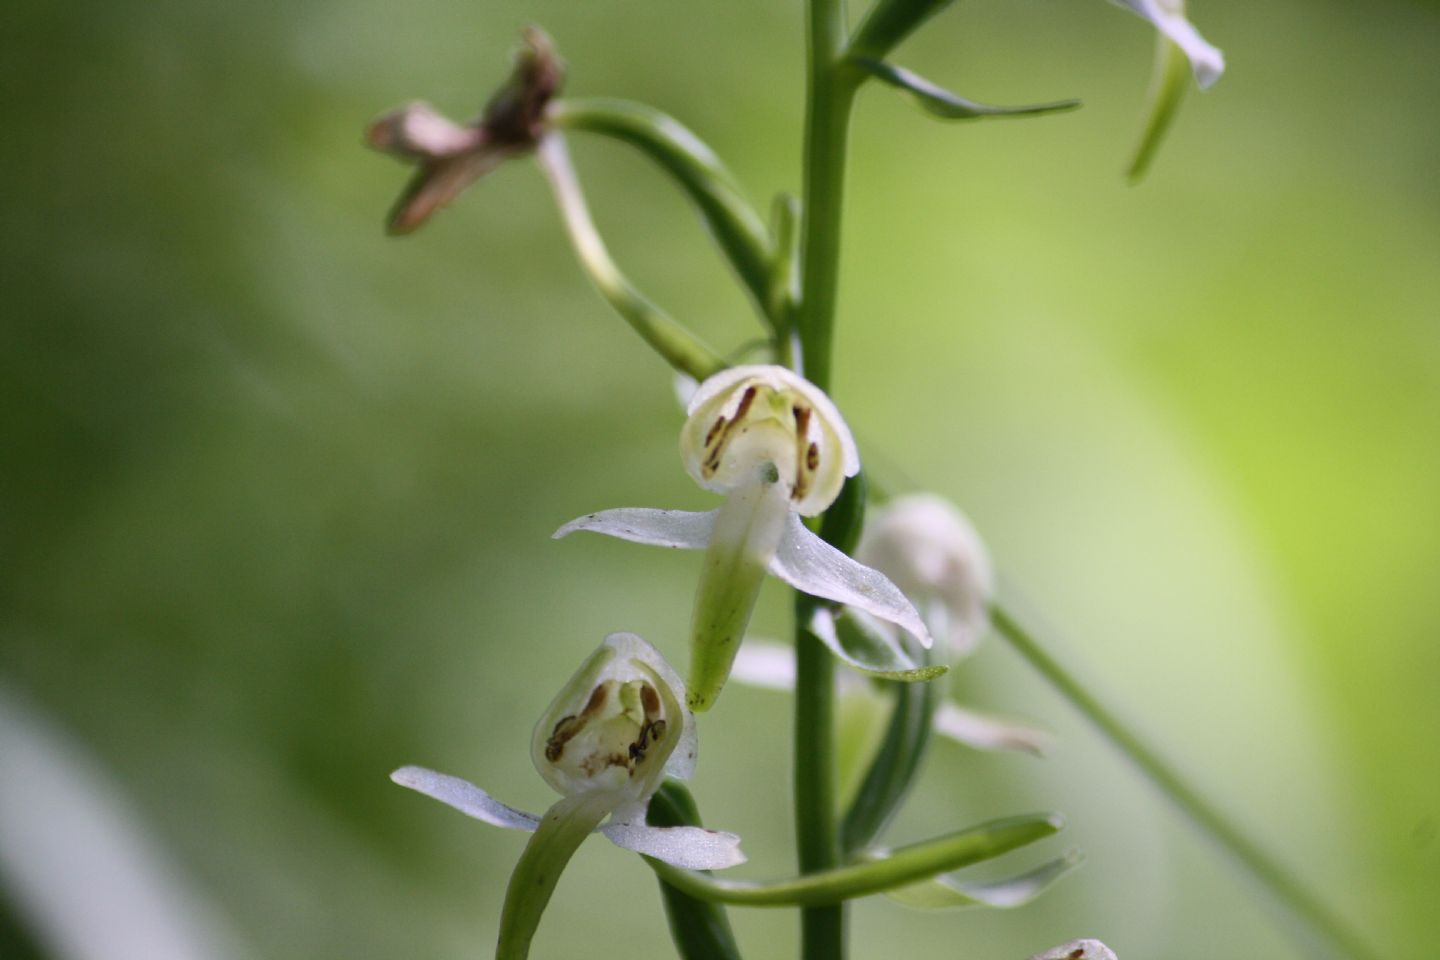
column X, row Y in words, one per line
column 930, row 550
column 775, row 446
column 1168, row 16
column 606, row 743
column 1078, row 950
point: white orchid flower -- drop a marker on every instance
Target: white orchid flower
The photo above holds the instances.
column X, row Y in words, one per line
column 930, row 550
column 1168, row 16
column 606, row 743
column 776, row 447
column 1078, row 950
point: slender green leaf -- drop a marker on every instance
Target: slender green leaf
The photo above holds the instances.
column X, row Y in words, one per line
column 940, row 102
column 949, row 890
column 888, row 870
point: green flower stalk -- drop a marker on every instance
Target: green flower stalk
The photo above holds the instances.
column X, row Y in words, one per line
column 606, row 743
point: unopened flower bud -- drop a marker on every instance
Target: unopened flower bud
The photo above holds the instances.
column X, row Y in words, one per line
column 931, row 552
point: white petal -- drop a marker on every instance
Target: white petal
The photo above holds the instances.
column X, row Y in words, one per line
column 931, row 551
column 693, row 848
column 811, row 565
column 465, row 797
column 678, row 529
column 1078, row 950
column 869, row 646
column 1168, row 16
column 988, row 732
column 770, row 666
column 418, row 130
column 684, row 386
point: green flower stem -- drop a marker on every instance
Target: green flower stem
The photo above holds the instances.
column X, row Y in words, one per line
column 822, row 923
column 830, row 92
column 1300, row 901
column 735, row 224
column 681, row 349
column 897, row 868
column 896, row 763
column 561, row 831
column 700, row 928
column 785, row 269
column 832, row 84
column 889, row 22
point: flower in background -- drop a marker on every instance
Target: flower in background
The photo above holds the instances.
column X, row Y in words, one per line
column 1177, row 42
column 930, row 550
column 606, row 743
column 1168, row 16
column 775, row 446
column 452, row 156
column 1078, row 950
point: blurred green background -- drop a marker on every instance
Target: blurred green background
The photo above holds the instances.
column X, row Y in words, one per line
column 276, row 490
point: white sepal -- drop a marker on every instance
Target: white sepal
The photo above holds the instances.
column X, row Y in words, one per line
column 983, row 731
column 465, row 797
column 764, row 664
column 693, row 848
column 811, row 565
column 677, row 529
column 1168, row 16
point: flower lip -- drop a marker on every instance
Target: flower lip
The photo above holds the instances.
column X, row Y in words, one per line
column 744, row 417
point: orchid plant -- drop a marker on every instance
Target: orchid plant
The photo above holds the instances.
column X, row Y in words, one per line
column 884, row 609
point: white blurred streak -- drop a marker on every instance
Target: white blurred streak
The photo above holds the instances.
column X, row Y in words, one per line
column 88, row 880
